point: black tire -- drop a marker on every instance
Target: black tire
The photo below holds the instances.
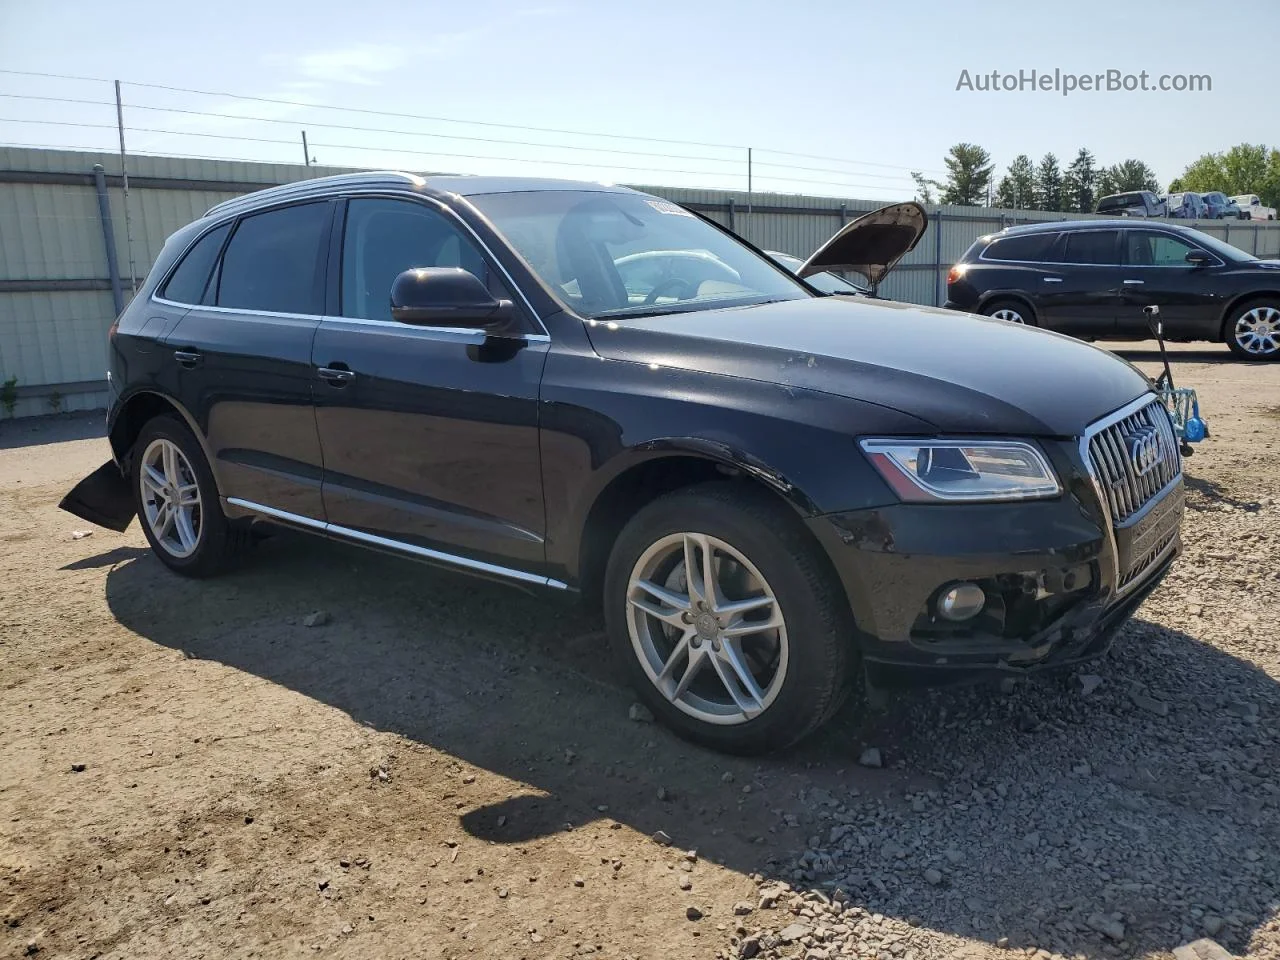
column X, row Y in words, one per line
column 1025, row 313
column 220, row 543
column 819, row 624
column 1229, row 329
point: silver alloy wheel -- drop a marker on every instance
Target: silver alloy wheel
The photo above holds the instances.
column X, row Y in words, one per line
column 1007, row 313
column 170, row 498
column 707, row 628
column 1258, row 331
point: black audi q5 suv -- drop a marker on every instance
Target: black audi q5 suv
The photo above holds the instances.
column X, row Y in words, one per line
column 770, row 492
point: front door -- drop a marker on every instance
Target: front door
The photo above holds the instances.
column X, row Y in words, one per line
column 243, row 358
column 1079, row 294
column 430, row 435
column 1156, row 272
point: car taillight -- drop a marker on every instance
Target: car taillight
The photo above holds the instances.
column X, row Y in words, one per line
column 955, row 273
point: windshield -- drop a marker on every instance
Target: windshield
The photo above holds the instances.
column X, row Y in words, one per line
column 1225, row 250
column 615, row 254
column 826, row 282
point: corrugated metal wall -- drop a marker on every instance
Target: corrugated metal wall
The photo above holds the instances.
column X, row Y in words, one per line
column 55, row 296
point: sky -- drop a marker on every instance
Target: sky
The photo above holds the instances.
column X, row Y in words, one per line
column 838, row 99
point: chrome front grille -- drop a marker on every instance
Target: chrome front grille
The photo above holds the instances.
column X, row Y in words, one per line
column 1134, row 457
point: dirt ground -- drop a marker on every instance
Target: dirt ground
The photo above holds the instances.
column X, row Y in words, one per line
column 447, row 768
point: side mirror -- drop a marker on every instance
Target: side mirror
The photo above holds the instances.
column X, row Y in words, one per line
column 446, row 297
column 1198, row 258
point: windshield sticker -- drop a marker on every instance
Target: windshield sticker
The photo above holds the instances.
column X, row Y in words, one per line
column 666, row 206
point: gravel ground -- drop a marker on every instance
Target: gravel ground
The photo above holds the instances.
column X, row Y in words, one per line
column 437, row 767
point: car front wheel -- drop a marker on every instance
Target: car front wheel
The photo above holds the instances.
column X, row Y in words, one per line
column 1253, row 330
column 177, row 501
column 727, row 619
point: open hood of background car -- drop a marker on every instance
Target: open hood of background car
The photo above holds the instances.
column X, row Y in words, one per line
column 873, row 244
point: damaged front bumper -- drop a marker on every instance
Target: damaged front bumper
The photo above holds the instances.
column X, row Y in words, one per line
column 1058, row 581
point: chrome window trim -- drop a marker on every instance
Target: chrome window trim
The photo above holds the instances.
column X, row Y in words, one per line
column 1049, row 264
column 322, row 318
column 1100, row 495
column 337, row 192
column 424, row 553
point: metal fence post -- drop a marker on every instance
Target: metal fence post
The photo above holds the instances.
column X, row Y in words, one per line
column 731, row 212
column 108, row 237
column 844, row 214
column 937, row 258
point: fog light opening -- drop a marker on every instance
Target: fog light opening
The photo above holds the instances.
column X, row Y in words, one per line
column 961, row 601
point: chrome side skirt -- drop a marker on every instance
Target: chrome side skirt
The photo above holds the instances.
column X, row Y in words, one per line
column 409, row 549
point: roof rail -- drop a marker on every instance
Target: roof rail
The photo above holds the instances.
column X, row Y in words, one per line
column 304, row 188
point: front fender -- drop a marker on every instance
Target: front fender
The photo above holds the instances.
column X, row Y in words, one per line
column 601, row 421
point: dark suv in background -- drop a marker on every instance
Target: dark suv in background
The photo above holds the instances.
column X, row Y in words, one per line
column 1136, row 203
column 584, row 388
column 1091, row 279
column 1218, row 206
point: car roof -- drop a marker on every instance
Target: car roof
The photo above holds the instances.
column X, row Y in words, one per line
column 440, row 187
column 1058, row 226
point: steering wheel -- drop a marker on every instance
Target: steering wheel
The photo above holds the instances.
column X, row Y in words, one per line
column 677, row 284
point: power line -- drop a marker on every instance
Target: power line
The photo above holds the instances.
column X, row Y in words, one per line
column 481, row 123
column 399, row 132
column 865, row 163
column 456, row 156
column 380, row 113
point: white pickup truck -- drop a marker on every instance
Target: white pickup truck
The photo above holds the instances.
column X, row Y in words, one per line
column 1251, row 207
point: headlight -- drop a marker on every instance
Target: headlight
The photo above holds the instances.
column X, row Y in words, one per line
column 947, row 470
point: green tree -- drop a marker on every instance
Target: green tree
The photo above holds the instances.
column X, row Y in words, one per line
column 1017, row 187
column 926, row 189
column 969, row 170
column 1049, row 184
column 1245, row 168
column 1079, row 183
column 1125, row 176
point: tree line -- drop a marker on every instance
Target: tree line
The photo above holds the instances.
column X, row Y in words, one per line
column 1047, row 185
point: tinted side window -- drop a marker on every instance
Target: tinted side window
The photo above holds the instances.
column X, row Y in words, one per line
column 384, row 238
column 273, row 261
column 187, row 283
column 1091, row 246
column 1152, row 249
column 1030, row 247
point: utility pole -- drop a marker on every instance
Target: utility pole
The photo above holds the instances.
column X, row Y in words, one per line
column 124, row 183
column 306, row 154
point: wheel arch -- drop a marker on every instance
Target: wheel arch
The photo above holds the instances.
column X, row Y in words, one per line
column 659, row 468
column 136, row 411
column 1017, row 296
column 1240, row 300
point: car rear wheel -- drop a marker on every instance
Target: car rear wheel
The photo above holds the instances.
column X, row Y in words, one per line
column 1253, row 330
column 177, row 502
column 727, row 620
column 1012, row 311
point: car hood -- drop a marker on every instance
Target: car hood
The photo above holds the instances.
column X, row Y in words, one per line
column 873, row 244
column 958, row 372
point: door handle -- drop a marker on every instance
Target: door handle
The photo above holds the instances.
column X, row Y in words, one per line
column 188, row 358
column 1052, row 279
column 336, row 376
column 1134, row 283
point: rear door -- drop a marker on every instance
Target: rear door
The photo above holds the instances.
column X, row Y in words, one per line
column 1156, row 272
column 430, row 434
column 1080, row 290
column 243, row 359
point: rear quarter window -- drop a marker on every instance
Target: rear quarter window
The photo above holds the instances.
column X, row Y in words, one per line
column 187, row 283
column 1029, row 248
